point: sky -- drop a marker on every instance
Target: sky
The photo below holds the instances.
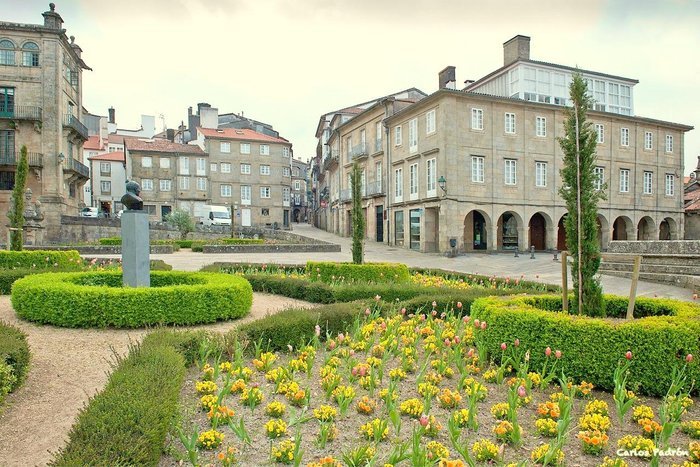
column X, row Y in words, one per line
column 287, row 62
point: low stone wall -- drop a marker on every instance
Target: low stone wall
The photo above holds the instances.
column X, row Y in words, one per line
column 100, row 249
column 274, row 248
column 661, row 247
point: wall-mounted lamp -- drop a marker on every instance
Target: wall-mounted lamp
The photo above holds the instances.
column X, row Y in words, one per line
column 61, row 157
column 443, row 184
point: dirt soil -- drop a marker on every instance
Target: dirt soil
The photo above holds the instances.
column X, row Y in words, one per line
column 68, row 366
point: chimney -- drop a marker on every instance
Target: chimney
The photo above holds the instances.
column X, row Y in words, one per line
column 697, row 170
column 170, row 134
column 52, row 19
column 517, row 48
column 189, row 111
column 446, row 78
column 111, row 115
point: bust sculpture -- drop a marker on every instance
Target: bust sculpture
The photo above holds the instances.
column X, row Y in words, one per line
column 131, row 200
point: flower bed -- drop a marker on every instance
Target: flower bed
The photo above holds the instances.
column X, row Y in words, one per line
column 40, row 259
column 327, row 271
column 98, row 299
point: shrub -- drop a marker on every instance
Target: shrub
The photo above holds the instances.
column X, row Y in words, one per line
column 14, row 351
column 255, row 268
column 110, row 241
column 98, row 299
column 41, row 259
column 447, row 299
column 514, row 285
column 315, row 292
column 9, row 276
column 368, row 272
column 240, row 241
column 592, row 347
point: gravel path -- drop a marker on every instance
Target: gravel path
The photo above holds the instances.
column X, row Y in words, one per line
column 67, row 367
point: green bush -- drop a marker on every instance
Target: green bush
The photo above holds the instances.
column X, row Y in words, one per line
column 198, row 247
column 97, row 299
column 110, row 241
column 349, row 272
column 592, row 347
column 14, row 351
column 255, row 268
column 314, row 292
column 127, row 423
column 240, row 241
column 41, row 259
column 515, row 285
column 448, row 300
column 9, row 276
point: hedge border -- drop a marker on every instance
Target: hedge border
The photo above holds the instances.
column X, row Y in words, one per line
column 592, row 347
column 327, row 271
column 56, row 298
column 40, row 259
column 14, row 350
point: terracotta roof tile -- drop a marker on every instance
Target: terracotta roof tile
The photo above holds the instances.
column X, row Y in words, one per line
column 161, row 145
column 244, row 135
column 94, row 142
column 116, row 156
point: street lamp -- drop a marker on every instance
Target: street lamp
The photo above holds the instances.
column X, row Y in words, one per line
column 443, row 184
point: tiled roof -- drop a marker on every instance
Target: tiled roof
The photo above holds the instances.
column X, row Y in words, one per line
column 161, row 145
column 94, row 142
column 116, row 156
column 117, row 139
column 242, row 134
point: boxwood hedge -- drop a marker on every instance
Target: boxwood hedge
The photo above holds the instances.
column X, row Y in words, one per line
column 14, row 351
column 349, row 272
column 98, row 299
column 592, row 347
column 40, row 259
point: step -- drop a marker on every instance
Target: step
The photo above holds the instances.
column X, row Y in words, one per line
column 672, row 279
column 652, row 259
column 690, row 270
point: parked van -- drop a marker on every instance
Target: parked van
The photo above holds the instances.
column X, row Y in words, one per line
column 89, row 212
column 213, row 215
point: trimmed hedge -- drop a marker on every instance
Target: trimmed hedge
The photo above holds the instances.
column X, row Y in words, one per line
column 592, row 347
column 9, row 276
column 110, row 241
column 240, row 241
column 98, row 299
column 367, row 272
column 127, row 423
column 14, row 351
column 314, row 292
column 40, row 259
column 514, row 285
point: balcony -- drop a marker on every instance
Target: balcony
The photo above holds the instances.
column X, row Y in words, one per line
column 359, row 151
column 35, row 159
column 75, row 168
column 330, row 161
column 374, row 189
column 21, row 112
column 378, row 147
column 345, row 195
column 74, row 123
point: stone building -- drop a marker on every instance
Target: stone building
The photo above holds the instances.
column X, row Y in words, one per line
column 299, row 186
column 108, row 181
column 692, row 204
column 41, row 107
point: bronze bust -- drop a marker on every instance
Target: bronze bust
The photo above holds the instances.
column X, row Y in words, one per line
column 131, row 200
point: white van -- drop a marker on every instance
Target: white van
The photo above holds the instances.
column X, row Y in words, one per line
column 89, row 212
column 213, row 215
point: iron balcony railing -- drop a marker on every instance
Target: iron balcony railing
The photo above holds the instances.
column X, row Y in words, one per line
column 35, row 159
column 78, row 167
column 21, row 112
column 73, row 122
column 378, row 145
column 346, row 194
column 360, row 150
column 330, row 161
column 375, row 188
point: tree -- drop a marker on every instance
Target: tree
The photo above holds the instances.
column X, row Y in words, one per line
column 581, row 197
column 358, row 218
column 182, row 221
column 17, row 212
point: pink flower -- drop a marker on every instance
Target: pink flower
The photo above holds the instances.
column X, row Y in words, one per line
column 557, row 353
column 483, row 325
column 403, row 311
column 476, row 323
column 459, row 304
column 466, row 319
column 628, row 355
column 517, row 343
column 354, row 371
column 447, row 342
column 422, row 317
column 367, row 312
column 317, row 330
column 470, row 354
column 331, row 345
column 457, row 340
column 521, row 391
column 689, row 358
column 423, row 421
column 363, row 371
column 434, row 312
column 548, row 351
column 442, row 315
column 352, row 352
column 341, row 337
column 503, row 346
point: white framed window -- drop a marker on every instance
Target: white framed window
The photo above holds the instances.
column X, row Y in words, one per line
column 213, row 167
column 264, row 169
column 397, row 135
column 624, row 180
column 245, row 148
column 285, row 151
column 265, row 192
column 245, row 194
column 297, row 185
column 286, row 197
column 624, row 136
column 285, row 171
column 147, row 184
column 541, row 174
column 510, row 123
column 264, row 149
column 348, row 144
column 165, row 185
column 670, row 185
column 398, row 185
column 184, row 166
column 541, row 126
column 106, row 187
column 164, row 162
column 245, row 168
column 378, row 173
column 147, row 161
column 511, row 172
column 105, row 167
column 413, row 181
column 225, row 191
column 378, row 134
column 669, row 143
column 600, row 133
column 430, row 122
column 413, row 135
column 201, row 166
column 225, row 147
column 477, row 119
column 599, row 178
column 430, row 175
column 648, row 182
column 184, row 183
column 201, row 184
column 478, row 169
column 648, row 140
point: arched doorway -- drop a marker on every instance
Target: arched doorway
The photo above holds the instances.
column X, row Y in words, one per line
column 603, row 232
column 538, row 232
column 296, row 215
column 645, row 229
column 561, row 234
column 668, row 229
column 508, row 227
column 622, row 228
column 476, row 226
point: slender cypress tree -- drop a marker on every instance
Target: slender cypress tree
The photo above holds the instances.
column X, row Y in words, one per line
column 17, row 213
column 581, row 196
column 358, row 219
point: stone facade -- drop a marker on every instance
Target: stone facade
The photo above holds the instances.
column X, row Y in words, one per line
column 299, row 187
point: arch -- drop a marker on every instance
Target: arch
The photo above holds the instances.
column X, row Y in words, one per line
column 295, row 215
column 477, row 224
column 29, row 45
column 7, row 44
column 7, row 52
column 538, row 226
column 561, row 233
column 623, row 228
column 646, row 229
column 30, row 54
column 668, row 229
column 603, row 232
column 508, row 231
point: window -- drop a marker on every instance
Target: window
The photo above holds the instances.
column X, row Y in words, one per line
column 285, row 195
column 541, row 126
column 264, row 191
column 165, row 185
column 7, row 101
column 511, row 175
column 147, row 184
column 184, row 183
column 7, row 53
column 363, row 141
column 213, row 167
column 413, row 135
column 245, row 148
column 413, row 181
column 285, row 172
column 648, row 177
column 397, row 136
column 510, row 123
column 164, row 162
column 349, row 146
column 245, row 194
column 541, row 174
column 599, row 178
column 378, row 174
column 430, row 122
column 201, row 184
column 624, row 136
column 285, row 151
column 478, row 169
column 297, row 185
column 201, row 166
column 648, row 140
column 477, row 119
column 30, row 54
column 7, row 180
column 105, row 168
column 431, row 181
column 150, row 209
column 398, row 185
column 245, row 168
column 147, row 161
column 264, row 170
column 670, row 184
column 225, row 191
column 398, row 228
column 600, row 132
column 378, row 136
column 265, row 212
column 225, row 147
column 106, row 187
column 669, row 143
column 264, row 149
column 624, row 180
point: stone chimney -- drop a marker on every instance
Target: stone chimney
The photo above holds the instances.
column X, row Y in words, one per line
column 446, row 78
column 697, row 170
column 170, row 134
column 52, row 19
column 517, row 48
column 110, row 111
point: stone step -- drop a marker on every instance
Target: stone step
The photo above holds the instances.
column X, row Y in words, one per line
column 678, row 280
column 687, row 269
column 679, row 260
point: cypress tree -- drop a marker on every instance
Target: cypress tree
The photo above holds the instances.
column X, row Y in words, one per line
column 358, row 219
column 17, row 212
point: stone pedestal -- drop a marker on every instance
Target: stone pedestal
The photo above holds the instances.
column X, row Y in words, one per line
column 135, row 249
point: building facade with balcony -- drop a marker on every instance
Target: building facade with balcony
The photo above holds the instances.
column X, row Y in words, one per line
column 108, row 182
column 41, row 108
column 300, row 191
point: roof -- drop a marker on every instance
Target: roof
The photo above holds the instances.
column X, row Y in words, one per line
column 239, row 134
column 117, row 156
column 94, row 142
column 161, row 145
column 118, row 139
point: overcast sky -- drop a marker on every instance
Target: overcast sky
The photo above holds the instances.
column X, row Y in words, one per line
column 286, row 62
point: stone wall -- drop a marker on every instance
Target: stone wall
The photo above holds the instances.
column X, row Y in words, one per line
column 101, row 249
column 664, row 247
column 278, row 248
